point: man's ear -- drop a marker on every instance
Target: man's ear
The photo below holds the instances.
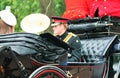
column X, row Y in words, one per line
column 65, row 25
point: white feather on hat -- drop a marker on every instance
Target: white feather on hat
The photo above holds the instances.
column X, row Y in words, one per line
column 35, row 23
column 8, row 17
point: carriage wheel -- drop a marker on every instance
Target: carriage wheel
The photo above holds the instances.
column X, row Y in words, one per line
column 48, row 72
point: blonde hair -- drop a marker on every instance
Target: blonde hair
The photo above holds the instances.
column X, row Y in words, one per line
column 5, row 28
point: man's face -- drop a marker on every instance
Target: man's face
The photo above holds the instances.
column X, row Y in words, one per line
column 59, row 29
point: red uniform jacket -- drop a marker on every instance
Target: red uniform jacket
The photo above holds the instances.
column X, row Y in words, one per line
column 105, row 8
column 76, row 9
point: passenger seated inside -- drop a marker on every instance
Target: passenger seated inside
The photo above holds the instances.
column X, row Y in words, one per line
column 59, row 26
column 7, row 21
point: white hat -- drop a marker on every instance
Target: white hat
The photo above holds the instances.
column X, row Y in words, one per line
column 35, row 23
column 8, row 17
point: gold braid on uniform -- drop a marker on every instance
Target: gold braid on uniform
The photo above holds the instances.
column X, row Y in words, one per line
column 68, row 37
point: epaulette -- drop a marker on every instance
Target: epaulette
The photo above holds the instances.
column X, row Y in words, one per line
column 69, row 36
column 72, row 34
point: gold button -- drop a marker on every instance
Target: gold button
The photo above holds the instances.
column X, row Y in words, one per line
column 105, row 7
column 77, row 41
column 69, row 55
column 105, row 13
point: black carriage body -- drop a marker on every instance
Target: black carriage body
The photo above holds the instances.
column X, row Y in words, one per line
column 95, row 60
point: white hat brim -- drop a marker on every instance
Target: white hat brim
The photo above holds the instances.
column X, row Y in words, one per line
column 35, row 23
column 56, row 23
column 8, row 18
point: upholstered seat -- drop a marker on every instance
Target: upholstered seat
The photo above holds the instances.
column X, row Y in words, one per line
column 93, row 50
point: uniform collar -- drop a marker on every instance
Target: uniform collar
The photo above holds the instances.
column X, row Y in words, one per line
column 63, row 36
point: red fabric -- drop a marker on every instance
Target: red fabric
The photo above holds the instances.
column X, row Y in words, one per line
column 62, row 21
column 76, row 9
column 106, row 7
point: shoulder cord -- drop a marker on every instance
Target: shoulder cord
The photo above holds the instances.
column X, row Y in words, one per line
column 68, row 37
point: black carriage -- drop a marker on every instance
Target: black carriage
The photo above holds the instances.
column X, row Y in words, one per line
column 27, row 55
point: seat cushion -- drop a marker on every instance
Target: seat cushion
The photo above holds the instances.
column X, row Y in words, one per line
column 96, row 48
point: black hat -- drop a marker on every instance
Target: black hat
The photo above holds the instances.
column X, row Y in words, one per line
column 58, row 20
